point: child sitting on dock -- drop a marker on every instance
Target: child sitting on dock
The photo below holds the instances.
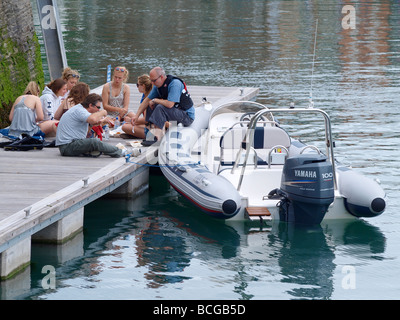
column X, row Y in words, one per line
column 71, row 77
column 51, row 100
column 73, row 127
column 77, row 94
column 116, row 94
column 138, row 130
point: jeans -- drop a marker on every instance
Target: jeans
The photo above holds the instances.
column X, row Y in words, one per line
column 162, row 114
column 82, row 146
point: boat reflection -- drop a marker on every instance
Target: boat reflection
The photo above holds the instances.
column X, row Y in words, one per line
column 304, row 257
column 162, row 243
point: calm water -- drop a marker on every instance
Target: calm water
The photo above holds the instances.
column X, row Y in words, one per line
column 159, row 247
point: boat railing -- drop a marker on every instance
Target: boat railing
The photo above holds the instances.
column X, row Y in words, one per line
column 273, row 149
column 310, row 147
column 249, row 137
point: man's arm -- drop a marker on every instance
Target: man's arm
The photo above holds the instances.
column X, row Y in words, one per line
column 165, row 103
column 96, row 118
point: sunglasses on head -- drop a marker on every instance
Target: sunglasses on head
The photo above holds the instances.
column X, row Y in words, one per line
column 120, row 69
column 74, row 76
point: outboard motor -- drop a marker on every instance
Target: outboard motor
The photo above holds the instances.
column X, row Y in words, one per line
column 307, row 188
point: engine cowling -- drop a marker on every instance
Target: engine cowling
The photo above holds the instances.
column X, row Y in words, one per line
column 307, row 188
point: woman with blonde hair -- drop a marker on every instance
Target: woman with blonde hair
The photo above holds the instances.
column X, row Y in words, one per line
column 138, row 130
column 71, row 77
column 77, row 94
column 32, row 88
column 116, row 94
column 26, row 112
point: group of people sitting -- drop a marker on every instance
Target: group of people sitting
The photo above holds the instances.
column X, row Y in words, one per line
column 67, row 110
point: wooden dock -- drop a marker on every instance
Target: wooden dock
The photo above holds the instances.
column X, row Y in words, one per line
column 44, row 194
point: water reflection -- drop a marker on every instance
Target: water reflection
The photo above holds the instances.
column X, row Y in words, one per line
column 145, row 244
column 366, row 51
column 307, row 254
column 267, row 44
column 170, row 238
column 169, row 241
column 162, row 252
column 306, row 261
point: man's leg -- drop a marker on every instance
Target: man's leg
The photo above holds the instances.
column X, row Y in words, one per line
column 161, row 115
column 83, row 146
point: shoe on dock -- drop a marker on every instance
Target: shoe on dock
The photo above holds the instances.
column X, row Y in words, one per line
column 127, row 136
column 148, row 143
column 93, row 154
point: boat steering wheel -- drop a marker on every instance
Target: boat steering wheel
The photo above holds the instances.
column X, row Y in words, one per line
column 246, row 117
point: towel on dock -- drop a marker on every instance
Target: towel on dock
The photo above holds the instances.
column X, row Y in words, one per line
column 98, row 130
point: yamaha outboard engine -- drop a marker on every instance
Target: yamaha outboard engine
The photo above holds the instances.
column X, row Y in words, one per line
column 307, row 188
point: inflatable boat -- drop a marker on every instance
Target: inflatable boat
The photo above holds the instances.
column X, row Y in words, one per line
column 238, row 162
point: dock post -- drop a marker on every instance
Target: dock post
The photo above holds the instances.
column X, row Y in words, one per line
column 134, row 187
column 61, row 230
column 15, row 259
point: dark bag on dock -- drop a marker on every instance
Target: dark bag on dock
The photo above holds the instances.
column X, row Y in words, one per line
column 26, row 143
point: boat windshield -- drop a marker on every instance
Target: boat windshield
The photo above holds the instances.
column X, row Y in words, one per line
column 238, row 107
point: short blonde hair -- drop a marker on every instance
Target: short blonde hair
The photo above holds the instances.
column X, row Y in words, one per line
column 124, row 70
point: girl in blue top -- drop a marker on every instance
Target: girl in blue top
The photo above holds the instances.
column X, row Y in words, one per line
column 144, row 86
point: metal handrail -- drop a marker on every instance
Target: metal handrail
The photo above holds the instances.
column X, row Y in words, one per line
column 274, row 148
column 249, row 137
column 310, row 147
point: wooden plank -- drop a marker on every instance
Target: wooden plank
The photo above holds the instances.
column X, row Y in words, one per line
column 257, row 211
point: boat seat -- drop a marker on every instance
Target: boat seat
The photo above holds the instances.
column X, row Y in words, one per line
column 265, row 138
